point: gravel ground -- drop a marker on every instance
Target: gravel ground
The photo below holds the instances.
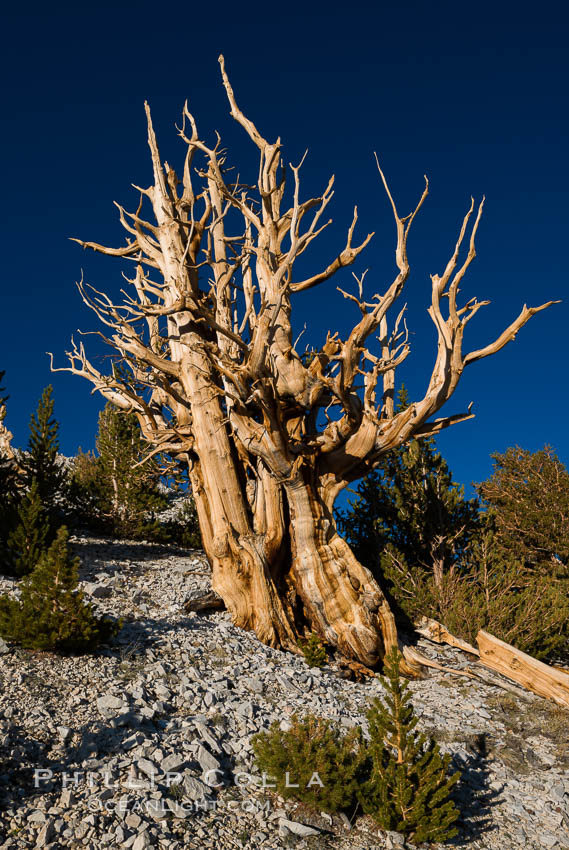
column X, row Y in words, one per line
column 91, row 747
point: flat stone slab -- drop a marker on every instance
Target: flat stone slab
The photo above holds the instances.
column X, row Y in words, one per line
column 297, row 828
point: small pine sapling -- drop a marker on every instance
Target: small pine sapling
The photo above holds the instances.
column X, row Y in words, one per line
column 184, row 529
column 40, row 462
column 51, row 613
column 28, row 541
column 409, row 785
column 314, row 652
column 312, row 762
column 121, row 493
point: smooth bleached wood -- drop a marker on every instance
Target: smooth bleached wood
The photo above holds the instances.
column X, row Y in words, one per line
column 527, row 671
column 438, row 633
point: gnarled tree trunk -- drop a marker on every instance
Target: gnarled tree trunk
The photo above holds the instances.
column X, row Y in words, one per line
column 213, row 373
column 293, row 573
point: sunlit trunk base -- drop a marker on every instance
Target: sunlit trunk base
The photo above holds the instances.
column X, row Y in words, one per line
column 311, row 582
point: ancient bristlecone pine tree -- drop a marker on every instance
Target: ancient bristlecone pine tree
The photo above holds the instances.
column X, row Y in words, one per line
column 216, row 380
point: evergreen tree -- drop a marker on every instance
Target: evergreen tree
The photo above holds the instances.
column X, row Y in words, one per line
column 28, row 541
column 409, row 785
column 411, row 525
column 130, row 492
column 312, row 761
column 528, row 496
column 83, row 506
column 314, row 651
column 495, row 590
column 40, row 462
column 113, row 489
column 51, row 613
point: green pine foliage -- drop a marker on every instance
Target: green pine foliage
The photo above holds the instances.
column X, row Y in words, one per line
column 492, row 589
column 410, row 523
column 29, row 539
column 112, row 490
column 408, row 786
column 51, row 613
column 129, row 493
column 82, row 507
column 500, row 592
column 399, row 777
column 314, row 651
column 505, row 570
column 40, row 461
column 323, row 764
column 184, row 528
column 528, row 494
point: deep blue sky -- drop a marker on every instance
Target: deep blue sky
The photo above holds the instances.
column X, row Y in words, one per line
column 473, row 95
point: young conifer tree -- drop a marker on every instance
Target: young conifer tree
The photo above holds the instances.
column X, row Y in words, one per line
column 128, row 492
column 528, row 497
column 83, row 497
column 409, row 785
column 51, row 613
column 40, row 463
column 113, row 491
column 28, row 540
column 410, row 523
column 313, row 761
column 498, row 591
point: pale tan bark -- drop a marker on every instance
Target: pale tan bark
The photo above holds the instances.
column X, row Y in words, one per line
column 438, row 633
column 538, row 677
column 217, row 380
column 6, row 449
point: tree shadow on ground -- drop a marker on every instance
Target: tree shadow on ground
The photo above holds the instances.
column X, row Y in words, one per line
column 23, row 752
column 148, row 631
column 129, row 550
column 472, row 794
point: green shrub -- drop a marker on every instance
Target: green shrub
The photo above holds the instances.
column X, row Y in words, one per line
column 314, row 652
column 408, row 785
column 491, row 589
column 27, row 542
column 51, row 613
column 184, row 528
column 324, row 764
column 40, row 463
column 114, row 491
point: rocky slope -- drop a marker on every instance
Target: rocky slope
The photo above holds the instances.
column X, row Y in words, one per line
column 89, row 745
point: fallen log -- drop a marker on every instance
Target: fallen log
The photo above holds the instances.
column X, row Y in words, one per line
column 438, row 633
column 413, row 656
column 484, row 674
column 534, row 675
